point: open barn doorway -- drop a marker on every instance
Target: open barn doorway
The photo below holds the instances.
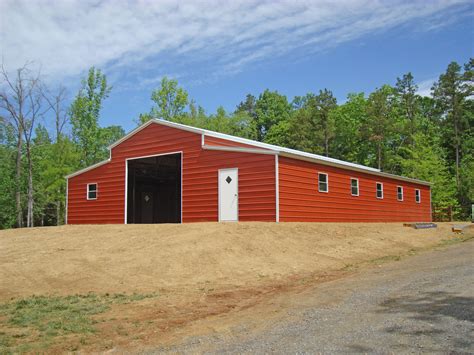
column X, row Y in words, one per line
column 154, row 189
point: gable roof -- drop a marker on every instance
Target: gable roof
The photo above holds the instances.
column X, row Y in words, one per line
column 274, row 149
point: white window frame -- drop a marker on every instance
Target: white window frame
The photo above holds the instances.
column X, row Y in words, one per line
column 96, row 191
column 327, row 182
column 417, row 195
column 377, row 190
column 357, row 180
column 403, row 194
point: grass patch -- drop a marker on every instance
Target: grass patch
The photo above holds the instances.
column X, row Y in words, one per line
column 459, row 238
column 33, row 323
column 386, row 259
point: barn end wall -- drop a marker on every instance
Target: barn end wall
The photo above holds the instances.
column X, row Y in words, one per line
column 300, row 200
column 199, row 187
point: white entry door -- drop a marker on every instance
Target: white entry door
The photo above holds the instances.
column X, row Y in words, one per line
column 228, row 195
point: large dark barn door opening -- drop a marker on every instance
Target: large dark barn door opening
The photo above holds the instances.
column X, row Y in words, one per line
column 154, row 189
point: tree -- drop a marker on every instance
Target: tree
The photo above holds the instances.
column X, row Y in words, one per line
column 451, row 93
column 21, row 101
column 270, row 109
column 406, row 90
column 56, row 103
column 248, row 106
column 143, row 118
column 379, row 125
column 302, row 132
column 50, row 173
column 426, row 161
column 323, row 106
column 170, row 100
column 243, row 125
column 302, row 101
column 111, row 134
column 8, row 183
column 54, row 160
column 313, row 125
column 348, row 142
column 85, row 111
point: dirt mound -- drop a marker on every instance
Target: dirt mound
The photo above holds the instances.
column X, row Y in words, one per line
column 190, row 257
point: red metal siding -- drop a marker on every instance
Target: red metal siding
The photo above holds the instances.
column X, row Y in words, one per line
column 213, row 141
column 200, row 187
column 300, row 199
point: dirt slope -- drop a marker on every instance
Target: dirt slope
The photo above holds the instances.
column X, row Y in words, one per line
column 190, row 257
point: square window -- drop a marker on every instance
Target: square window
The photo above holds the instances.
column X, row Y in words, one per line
column 399, row 193
column 379, row 190
column 92, row 191
column 323, row 182
column 417, row 196
column 355, row 187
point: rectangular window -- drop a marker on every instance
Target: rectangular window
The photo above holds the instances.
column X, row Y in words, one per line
column 92, row 191
column 399, row 193
column 355, row 187
column 379, row 190
column 323, row 182
column 417, row 196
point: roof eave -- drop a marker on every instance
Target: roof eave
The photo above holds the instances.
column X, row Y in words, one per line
column 354, row 168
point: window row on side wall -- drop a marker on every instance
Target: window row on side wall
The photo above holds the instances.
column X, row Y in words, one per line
column 323, row 186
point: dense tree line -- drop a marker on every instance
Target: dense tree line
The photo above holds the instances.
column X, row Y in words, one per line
column 44, row 135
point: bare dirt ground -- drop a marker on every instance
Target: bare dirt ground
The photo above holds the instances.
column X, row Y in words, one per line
column 412, row 306
column 206, row 275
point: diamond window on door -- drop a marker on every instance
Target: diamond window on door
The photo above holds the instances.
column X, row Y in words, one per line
column 228, row 179
column 147, row 198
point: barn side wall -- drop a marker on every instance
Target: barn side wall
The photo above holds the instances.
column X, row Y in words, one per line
column 200, row 173
column 301, row 201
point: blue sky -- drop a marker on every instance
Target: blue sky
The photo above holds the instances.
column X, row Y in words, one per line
column 220, row 51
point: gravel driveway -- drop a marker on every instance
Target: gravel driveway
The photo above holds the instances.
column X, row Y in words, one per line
column 424, row 303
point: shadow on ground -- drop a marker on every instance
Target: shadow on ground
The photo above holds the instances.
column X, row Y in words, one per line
column 433, row 310
column 432, row 306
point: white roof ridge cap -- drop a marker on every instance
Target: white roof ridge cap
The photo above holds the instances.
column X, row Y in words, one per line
column 266, row 145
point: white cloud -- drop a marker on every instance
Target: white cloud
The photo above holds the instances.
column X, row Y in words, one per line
column 424, row 87
column 134, row 38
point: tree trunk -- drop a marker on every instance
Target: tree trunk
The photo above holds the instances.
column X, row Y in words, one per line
column 18, row 179
column 326, row 145
column 456, row 135
column 58, row 213
column 457, row 142
column 379, row 155
column 30, row 222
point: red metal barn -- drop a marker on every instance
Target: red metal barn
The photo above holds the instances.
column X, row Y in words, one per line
column 164, row 172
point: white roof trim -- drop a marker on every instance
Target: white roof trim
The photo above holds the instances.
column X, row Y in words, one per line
column 242, row 140
column 292, row 153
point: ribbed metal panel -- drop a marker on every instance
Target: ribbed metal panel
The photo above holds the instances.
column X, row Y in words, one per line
column 301, row 201
column 219, row 142
column 200, row 172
